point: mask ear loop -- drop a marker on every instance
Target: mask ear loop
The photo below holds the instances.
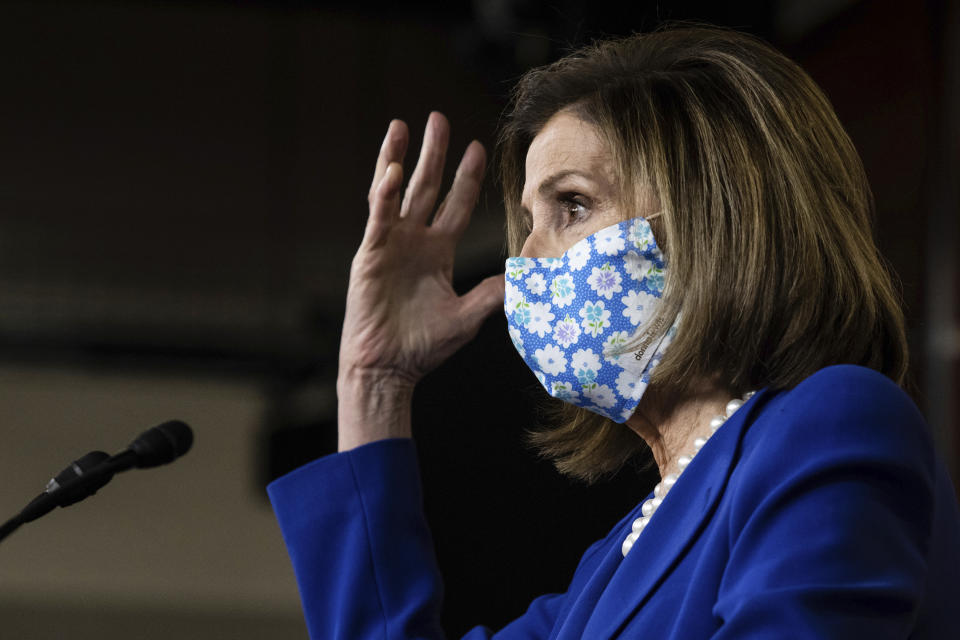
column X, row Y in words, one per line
column 663, row 335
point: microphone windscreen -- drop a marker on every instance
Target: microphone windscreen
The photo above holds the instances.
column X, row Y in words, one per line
column 162, row 444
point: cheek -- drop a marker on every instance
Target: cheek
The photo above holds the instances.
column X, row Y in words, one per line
column 546, row 243
column 601, row 219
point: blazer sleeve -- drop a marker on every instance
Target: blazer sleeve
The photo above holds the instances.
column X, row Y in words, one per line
column 833, row 515
column 362, row 552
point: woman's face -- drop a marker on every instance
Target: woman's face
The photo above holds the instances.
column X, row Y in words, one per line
column 570, row 191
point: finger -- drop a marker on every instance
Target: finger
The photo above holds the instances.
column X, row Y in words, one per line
column 454, row 213
column 481, row 301
column 393, row 149
column 425, row 180
column 384, row 205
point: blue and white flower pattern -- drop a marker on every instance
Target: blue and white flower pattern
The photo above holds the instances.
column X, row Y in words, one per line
column 655, row 279
column 562, row 289
column 565, row 391
column 570, row 317
column 638, row 305
column 640, row 235
column 518, row 267
column 614, row 350
column 601, row 395
column 595, row 317
column 512, row 296
column 536, row 283
column 609, row 241
column 542, row 379
column 605, row 281
column 576, row 257
column 566, row 332
column 627, row 384
column 540, row 318
column 636, row 265
column 521, row 314
column 614, row 343
column 551, row 360
column 517, row 338
column 585, row 365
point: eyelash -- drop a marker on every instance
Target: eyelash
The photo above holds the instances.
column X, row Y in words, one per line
column 566, row 201
column 569, row 201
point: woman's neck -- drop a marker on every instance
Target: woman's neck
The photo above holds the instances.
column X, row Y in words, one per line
column 670, row 426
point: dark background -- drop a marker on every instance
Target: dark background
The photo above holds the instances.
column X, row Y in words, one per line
column 182, row 186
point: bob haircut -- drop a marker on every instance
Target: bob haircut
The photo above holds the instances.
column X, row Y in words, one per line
column 766, row 223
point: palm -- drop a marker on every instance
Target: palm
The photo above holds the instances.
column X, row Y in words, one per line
column 403, row 317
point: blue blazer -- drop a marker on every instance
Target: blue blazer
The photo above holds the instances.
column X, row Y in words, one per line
column 819, row 512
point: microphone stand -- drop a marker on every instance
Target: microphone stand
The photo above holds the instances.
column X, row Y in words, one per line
column 84, row 477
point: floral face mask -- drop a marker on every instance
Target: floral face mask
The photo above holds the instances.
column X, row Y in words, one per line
column 570, row 317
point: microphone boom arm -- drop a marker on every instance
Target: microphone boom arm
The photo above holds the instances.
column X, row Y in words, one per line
column 85, row 476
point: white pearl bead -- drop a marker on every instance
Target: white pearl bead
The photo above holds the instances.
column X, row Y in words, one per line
column 716, row 422
column 733, row 405
column 749, row 394
column 639, row 524
column 664, row 486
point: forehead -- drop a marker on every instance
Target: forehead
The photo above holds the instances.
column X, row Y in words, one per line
column 567, row 143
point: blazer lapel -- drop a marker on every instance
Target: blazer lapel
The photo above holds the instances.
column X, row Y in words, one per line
column 674, row 528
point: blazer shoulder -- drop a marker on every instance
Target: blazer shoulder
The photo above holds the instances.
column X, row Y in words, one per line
column 849, row 378
column 842, row 410
column 829, row 511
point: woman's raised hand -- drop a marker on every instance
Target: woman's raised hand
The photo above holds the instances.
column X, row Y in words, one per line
column 403, row 317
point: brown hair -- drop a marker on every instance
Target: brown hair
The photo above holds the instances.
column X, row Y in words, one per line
column 766, row 216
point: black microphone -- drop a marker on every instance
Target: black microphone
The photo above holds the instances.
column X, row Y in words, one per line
column 65, row 488
column 154, row 447
column 85, row 476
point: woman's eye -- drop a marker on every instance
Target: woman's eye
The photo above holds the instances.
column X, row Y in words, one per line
column 574, row 208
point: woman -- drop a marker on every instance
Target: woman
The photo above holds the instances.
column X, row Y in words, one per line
column 695, row 275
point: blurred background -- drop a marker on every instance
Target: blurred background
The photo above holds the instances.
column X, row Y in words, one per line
column 182, row 187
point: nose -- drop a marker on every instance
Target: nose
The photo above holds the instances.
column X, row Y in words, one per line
column 530, row 247
column 539, row 245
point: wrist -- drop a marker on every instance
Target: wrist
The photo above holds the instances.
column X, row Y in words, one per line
column 372, row 405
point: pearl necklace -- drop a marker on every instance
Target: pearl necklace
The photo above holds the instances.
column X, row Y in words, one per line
column 663, row 487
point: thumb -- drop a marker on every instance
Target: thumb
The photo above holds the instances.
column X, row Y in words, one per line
column 481, row 301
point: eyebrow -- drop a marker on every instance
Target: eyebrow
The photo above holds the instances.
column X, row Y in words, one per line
column 547, row 185
column 550, row 183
